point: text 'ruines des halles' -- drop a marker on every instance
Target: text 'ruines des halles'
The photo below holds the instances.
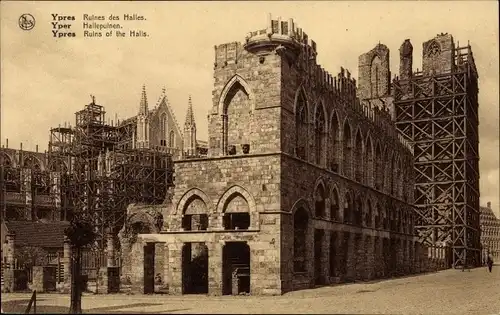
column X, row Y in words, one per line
column 107, row 26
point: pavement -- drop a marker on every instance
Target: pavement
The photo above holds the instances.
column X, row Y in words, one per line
column 445, row 292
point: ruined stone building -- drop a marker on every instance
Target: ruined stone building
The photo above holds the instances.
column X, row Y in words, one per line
column 490, row 234
column 303, row 185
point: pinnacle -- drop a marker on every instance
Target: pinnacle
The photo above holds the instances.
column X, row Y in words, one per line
column 190, row 115
column 143, row 109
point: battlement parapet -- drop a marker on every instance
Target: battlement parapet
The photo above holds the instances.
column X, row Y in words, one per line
column 285, row 38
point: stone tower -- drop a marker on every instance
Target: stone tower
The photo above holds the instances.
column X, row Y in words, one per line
column 405, row 60
column 143, row 121
column 190, row 131
column 375, row 77
column 438, row 55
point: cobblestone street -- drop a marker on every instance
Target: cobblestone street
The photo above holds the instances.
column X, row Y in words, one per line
column 445, row 292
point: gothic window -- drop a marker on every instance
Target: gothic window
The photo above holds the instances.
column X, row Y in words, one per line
column 301, row 119
column 394, row 172
column 171, row 139
column 377, row 217
column 300, row 224
column 369, row 169
column 334, row 140
column 5, row 159
column 378, row 174
column 319, row 133
column 368, row 215
column 236, row 116
column 374, row 77
column 320, row 201
column 433, row 49
column 358, row 157
column 357, row 213
column 347, row 208
column 31, row 163
column 163, row 129
column 334, row 205
column 347, row 149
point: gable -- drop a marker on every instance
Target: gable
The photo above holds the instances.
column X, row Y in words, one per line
column 171, row 125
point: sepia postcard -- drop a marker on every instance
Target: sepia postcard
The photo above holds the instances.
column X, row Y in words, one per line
column 259, row 157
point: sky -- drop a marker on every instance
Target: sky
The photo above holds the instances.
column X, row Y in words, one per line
column 45, row 80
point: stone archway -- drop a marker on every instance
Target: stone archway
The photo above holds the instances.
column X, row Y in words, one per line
column 139, row 220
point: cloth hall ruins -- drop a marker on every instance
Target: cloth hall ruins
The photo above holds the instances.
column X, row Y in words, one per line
column 306, row 179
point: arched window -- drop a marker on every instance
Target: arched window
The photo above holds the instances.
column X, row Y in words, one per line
column 358, row 158
column 347, row 208
column 369, row 167
column 320, row 201
column 347, row 149
column 163, row 129
column 5, row 159
column 171, row 139
column 300, row 224
column 395, row 176
column 334, row 144
column 32, row 163
column 334, row 206
column 236, row 213
column 357, row 214
column 374, row 80
column 378, row 174
column 301, row 120
column 236, row 115
column 369, row 214
column 319, row 133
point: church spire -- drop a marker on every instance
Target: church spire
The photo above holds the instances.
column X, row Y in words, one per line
column 143, row 108
column 190, row 116
column 189, row 141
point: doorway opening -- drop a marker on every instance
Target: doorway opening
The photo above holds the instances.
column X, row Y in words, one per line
column 194, row 268
column 236, row 268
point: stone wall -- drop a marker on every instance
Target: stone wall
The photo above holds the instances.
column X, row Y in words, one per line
column 247, row 90
column 357, row 248
column 438, row 55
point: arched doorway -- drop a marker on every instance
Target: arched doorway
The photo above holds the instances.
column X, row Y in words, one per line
column 194, row 268
column 236, row 268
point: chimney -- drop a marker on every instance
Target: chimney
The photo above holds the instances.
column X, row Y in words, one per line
column 488, row 204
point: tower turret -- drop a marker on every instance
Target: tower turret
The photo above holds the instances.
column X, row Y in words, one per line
column 406, row 60
column 143, row 121
column 190, row 131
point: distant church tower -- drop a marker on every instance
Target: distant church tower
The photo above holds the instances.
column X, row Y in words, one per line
column 189, row 131
column 143, row 122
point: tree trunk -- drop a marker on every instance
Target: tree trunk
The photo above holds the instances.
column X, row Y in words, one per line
column 76, row 285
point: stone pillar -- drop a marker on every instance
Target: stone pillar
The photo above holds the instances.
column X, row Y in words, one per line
column 215, row 268
column 11, row 246
column 360, row 258
column 103, row 280
column 67, row 261
column 110, row 250
column 8, row 273
column 325, row 258
column 351, row 257
column 166, row 279
column 137, row 267
column 370, row 257
column 175, row 268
